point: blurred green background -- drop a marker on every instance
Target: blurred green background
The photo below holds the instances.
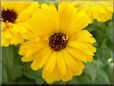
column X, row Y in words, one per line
column 100, row 71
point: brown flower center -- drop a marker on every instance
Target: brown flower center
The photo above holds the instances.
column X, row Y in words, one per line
column 58, row 41
column 9, row 15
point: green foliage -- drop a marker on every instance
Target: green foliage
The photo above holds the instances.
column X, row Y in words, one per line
column 11, row 66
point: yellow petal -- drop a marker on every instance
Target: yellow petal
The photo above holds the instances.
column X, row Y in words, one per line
column 75, row 65
column 19, row 29
column 7, row 34
column 68, row 76
column 79, row 22
column 72, row 20
column 65, row 16
column 41, row 59
column 23, row 47
column 3, row 27
column 28, row 12
column 54, row 76
column 30, row 50
column 79, row 54
column 84, row 36
column 4, row 42
column 84, row 47
column 49, row 23
column 29, row 56
column 19, row 6
column 61, row 63
column 51, row 63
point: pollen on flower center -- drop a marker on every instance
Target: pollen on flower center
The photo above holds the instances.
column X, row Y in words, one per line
column 9, row 15
column 58, row 41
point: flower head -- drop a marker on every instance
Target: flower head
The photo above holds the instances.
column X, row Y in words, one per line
column 100, row 10
column 58, row 44
column 15, row 15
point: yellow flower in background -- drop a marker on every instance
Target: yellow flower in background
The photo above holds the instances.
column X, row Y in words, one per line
column 15, row 15
column 100, row 10
column 58, row 44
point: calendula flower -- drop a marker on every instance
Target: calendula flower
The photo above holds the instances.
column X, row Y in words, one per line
column 100, row 10
column 58, row 44
column 15, row 15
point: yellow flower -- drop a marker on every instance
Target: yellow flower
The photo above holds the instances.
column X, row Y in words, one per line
column 58, row 44
column 15, row 15
column 100, row 10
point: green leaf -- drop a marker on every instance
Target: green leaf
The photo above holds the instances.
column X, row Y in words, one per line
column 99, row 31
column 25, row 80
column 110, row 31
column 102, row 78
column 103, row 52
column 17, row 70
column 85, row 79
column 7, row 56
column 29, row 72
column 91, row 70
column 74, row 81
column 109, row 69
column 59, row 83
column 36, row 75
column 4, row 74
column 11, row 60
column 39, row 81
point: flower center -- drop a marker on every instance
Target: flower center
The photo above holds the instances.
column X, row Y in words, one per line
column 9, row 15
column 58, row 41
